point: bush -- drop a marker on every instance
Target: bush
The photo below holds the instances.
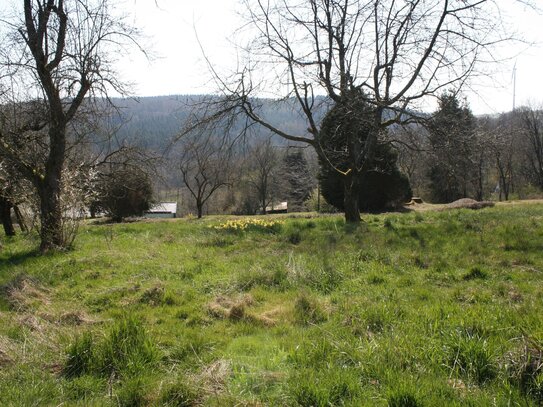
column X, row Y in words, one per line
column 123, row 192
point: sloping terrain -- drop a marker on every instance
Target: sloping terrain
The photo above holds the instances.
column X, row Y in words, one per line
column 421, row 308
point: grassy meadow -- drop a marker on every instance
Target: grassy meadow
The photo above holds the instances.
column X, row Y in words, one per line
column 429, row 308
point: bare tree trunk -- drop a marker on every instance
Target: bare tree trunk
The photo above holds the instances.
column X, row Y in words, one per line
column 263, row 203
column 5, row 214
column 49, row 190
column 351, row 192
column 20, row 219
column 200, row 209
column 50, row 216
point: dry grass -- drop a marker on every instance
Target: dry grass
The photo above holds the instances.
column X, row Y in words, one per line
column 228, row 307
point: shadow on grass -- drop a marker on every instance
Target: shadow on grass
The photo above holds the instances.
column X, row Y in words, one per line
column 18, row 258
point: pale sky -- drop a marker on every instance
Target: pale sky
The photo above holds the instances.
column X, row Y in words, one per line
column 178, row 66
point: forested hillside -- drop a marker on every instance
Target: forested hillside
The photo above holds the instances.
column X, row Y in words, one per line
column 153, row 122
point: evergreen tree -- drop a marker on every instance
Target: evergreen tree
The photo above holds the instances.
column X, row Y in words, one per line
column 452, row 140
column 378, row 183
column 298, row 182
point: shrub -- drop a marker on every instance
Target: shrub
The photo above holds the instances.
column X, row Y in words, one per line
column 124, row 191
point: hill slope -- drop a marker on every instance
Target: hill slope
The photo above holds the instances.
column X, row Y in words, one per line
column 433, row 308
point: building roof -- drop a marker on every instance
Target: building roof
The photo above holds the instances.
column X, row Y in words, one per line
column 281, row 206
column 168, row 207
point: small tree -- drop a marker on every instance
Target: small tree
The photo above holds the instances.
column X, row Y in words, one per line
column 263, row 172
column 204, row 163
column 379, row 183
column 124, row 191
column 452, row 142
column 59, row 54
column 298, row 180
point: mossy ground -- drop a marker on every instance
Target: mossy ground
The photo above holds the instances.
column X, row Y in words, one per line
column 433, row 308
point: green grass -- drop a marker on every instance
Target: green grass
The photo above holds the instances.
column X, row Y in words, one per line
column 414, row 309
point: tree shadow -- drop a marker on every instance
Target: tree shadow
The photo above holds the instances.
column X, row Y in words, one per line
column 19, row 258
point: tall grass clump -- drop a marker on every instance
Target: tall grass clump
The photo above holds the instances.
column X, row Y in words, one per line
column 470, row 356
column 132, row 393
column 81, row 357
column 125, row 350
column 179, row 394
column 335, row 387
column 403, row 397
column 307, row 310
column 525, row 369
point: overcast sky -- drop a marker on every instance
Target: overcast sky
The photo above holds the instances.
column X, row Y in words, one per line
column 178, row 66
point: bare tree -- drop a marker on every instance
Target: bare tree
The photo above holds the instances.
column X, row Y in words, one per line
column 502, row 137
column 55, row 62
column 205, row 162
column 389, row 54
column 532, row 129
column 262, row 171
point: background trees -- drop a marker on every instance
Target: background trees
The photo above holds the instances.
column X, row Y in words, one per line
column 57, row 58
column 205, row 164
column 262, row 172
column 390, row 54
column 452, row 141
column 531, row 122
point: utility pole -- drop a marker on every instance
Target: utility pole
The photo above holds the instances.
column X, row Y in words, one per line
column 514, row 86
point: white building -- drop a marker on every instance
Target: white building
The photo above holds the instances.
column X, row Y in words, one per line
column 162, row 210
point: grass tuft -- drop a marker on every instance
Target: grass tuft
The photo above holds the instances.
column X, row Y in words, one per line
column 307, row 310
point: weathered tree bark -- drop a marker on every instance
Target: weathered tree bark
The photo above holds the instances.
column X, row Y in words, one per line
column 20, row 219
column 5, row 214
column 351, row 192
column 51, row 236
column 200, row 209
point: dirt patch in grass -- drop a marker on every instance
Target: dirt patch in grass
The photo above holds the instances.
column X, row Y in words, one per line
column 468, row 203
column 75, row 318
column 228, row 307
column 213, row 377
column 7, row 352
column 23, row 292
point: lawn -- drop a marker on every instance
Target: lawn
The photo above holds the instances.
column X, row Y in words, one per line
column 413, row 309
